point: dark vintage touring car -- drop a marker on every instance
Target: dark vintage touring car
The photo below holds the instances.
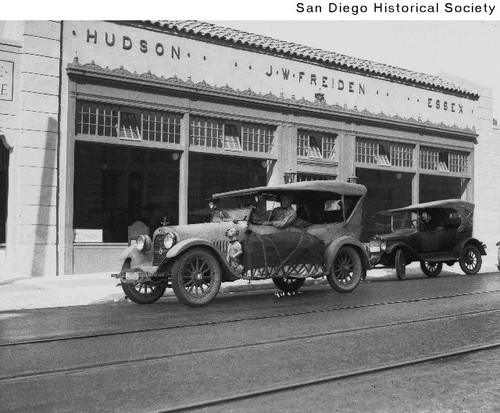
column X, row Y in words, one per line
column 322, row 240
column 432, row 233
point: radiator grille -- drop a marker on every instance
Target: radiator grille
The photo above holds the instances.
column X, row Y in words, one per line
column 160, row 252
column 223, row 245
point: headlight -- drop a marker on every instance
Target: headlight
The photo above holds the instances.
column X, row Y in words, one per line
column 169, row 240
column 383, row 246
column 143, row 243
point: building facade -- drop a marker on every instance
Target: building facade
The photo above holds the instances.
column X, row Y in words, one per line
column 107, row 123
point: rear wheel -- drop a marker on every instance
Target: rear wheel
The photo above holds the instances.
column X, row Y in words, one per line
column 289, row 284
column 196, row 277
column 346, row 271
column 431, row 269
column 400, row 264
column 143, row 292
column 471, row 260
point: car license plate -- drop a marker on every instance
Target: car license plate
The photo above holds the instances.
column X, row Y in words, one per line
column 132, row 276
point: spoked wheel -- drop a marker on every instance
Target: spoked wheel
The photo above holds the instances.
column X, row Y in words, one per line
column 346, row 271
column 289, row 284
column 196, row 277
column 431, row 269
column 143, row 292
column 471, row 260
column 400, row 264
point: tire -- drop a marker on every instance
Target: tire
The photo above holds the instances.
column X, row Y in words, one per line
column 289, row 284
column 143, row 292
column 346, row 271
column 431, row 269
column 400, row 264
column 471, row 260
column 196, row 277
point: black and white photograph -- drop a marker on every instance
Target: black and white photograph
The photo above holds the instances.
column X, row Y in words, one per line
column 223, row 207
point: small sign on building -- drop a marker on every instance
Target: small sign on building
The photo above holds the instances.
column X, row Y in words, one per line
column 6, row 80
column 88, row 235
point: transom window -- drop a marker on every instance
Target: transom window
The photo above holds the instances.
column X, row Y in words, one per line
column 366, row 151
column 434, row 159
column 161, row 127
column 230, row 136
column 458, row 162
column 127, row 123
column 401, row 155
column 374, row 152
column 316, row 145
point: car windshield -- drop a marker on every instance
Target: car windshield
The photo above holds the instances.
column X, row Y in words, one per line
column 403, row 220
column 232, row 208
column 265, row 206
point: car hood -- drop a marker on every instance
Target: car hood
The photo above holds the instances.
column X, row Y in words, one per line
column 205, row 230
column 397, row 235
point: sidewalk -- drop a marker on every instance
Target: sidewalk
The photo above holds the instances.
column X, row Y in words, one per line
column 86, row 289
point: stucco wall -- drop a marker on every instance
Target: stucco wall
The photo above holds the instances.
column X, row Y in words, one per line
column 31, row 238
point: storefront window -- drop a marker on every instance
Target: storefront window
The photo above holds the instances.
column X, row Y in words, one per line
column 316, row 145
column 116, row 186
column 433, row 187
column 4, row 185
column 210, row 174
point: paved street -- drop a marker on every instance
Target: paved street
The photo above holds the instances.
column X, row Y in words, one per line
column 377, row 349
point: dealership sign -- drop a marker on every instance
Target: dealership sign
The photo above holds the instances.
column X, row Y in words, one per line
column 115, row 45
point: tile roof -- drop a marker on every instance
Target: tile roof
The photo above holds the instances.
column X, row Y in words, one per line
column 209, row 30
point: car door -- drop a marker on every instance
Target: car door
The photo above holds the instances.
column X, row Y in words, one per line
column 427, row 232
column 428, row 240
column 448, row 235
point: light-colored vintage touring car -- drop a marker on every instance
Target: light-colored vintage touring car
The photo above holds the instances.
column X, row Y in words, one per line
column 323, row 240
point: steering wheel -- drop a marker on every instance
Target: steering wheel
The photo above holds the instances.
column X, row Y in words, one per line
column 417, row 224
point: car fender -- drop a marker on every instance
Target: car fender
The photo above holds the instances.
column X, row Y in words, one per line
column 189, row 243
column 127, row 253
column 333, row 248
column 457, row 251
column 137, row 258
column 411, row 253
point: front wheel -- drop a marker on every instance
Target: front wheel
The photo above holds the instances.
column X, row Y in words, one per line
column 400, row 264
column 431, row 269
column 196, row 277
column 143, row 292
column 346, row 271
column 289, row 284
column 471, row 260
